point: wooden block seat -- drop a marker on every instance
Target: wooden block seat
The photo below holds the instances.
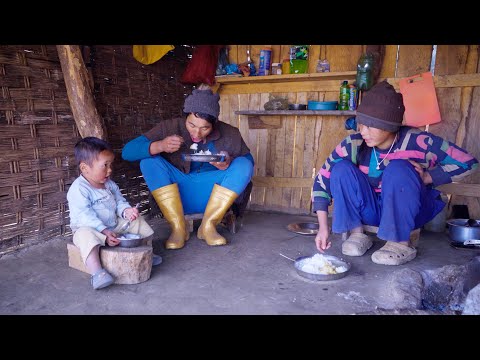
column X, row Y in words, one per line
column 127, row 265
column 230, row 221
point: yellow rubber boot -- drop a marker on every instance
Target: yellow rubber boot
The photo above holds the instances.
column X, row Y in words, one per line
column 220, row 201
column 170, row 203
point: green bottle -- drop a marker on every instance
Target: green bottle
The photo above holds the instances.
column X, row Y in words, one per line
column 344, row 96
column 365, row 71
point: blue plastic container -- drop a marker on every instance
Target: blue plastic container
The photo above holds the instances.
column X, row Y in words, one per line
column 265, row 62
column 322, row 105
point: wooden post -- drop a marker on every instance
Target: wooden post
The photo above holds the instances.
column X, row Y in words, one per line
column 80, row 94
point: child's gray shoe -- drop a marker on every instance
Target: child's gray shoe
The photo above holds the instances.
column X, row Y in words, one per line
column 157, row 260
column 101, row 279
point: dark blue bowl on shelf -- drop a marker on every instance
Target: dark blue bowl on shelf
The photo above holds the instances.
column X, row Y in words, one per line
column 322, row 105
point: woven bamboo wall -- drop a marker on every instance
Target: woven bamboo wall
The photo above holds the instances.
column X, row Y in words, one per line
column 37, row 130
column 132, row 98
column 37, row 134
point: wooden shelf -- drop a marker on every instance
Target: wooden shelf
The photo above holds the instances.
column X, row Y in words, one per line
column 271, row 119
column 232, row 79
column 312, row 82
column 295, row 112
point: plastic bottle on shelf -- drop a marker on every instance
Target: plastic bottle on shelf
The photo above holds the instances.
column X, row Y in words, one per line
column 265, row 62
column 365, row 71
column 353, row 100
column 344, row 96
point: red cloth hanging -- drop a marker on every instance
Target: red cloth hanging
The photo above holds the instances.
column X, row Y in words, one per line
column 203, row 65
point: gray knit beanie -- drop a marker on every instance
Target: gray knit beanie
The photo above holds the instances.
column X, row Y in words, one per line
column 203, row 101
column 381, row 107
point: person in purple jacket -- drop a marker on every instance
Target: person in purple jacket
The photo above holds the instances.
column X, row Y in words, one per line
column 385, row 175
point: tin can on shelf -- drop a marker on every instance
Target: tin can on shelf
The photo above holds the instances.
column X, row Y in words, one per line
column 276, row 69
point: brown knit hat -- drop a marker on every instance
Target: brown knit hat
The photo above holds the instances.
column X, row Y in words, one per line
column 381, row 108
column 203, row 101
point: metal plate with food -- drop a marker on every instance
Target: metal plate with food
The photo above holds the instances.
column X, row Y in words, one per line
column 320, row 267
column 204, row 157
column 304, row 228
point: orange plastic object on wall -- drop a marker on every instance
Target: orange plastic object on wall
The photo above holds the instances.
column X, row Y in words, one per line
column 420, row 100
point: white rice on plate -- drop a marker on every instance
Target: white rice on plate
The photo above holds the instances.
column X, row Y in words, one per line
column 319, row 264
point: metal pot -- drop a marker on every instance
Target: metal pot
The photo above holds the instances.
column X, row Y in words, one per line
column 465, row 231
column 130, row 240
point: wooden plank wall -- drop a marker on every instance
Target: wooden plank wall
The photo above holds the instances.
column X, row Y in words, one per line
column 460, row 109
column 289, row 156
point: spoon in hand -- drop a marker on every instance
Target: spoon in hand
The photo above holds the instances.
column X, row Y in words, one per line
column 127, row 224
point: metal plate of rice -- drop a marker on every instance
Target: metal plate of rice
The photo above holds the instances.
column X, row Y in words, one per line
column 303, row 268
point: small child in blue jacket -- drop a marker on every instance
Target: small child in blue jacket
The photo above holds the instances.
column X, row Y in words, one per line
column 98, row 209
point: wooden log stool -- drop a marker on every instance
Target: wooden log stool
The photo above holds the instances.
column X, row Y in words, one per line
column 127, row 265
column 414, row 235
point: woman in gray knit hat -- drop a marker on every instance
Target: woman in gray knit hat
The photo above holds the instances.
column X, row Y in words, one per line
column 181, row 187
column 384, row 176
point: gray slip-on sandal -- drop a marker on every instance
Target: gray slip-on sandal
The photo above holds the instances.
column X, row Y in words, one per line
column 101, row 279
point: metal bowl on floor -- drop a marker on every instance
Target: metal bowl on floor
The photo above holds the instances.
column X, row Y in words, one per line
column 304, row 228
column 130, row 240
column 339, row 264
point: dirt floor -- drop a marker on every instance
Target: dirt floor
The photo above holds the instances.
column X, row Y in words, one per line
column 247, row 276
